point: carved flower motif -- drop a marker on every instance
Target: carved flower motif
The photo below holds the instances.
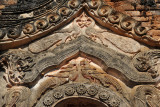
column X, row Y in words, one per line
column 58, row 94
column 92, row 90
column 49, row 100
column 69, row 91
column 114, row 102
column 81, row 89
column 104, row 96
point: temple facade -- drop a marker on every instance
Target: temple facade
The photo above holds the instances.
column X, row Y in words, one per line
column 79, row 53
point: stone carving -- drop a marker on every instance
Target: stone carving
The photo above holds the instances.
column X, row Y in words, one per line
column 69, row 91
column 48, row 101
column 17, row 96
column 13, row 33
column 81, row 89
column 41, row 24
column 43, row 85
column 112, row 59
column 80, row 44
column 84, row 25
column 58, row 94
column 92, row 91
column 146, row 96
column 81, row 69
column 114, row 102
column 29, row 28
column 43, row 21
column 83, row 59
column 16, row 65
column 104, row 94
column 148, row 62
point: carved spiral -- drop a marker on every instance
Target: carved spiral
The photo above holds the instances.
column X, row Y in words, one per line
column 13, row 33
column 73, row 3
column 93, row 3
column 127, row 23
column 2, row 33
column 53, row 18
column 115, row 18
column 140, row 30
column 104, row 10
column 64, row 11
column 58, row 94
column 81, row 89
column 92, row 91
column 29, row 28
column 41, row 23
column 48, row 101
column 104, row 96
column 69, row 91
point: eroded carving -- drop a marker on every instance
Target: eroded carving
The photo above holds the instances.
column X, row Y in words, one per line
column 82, row 44
column 81, row 69
column 48, row 101
column 17, row 96
column 50, row 15
column 74, row 65
column 81, row 89
column 69, row 91
column 92, row 90
column 146, row 96
column 85, row 25
column 16, row 64
column 148, row 62
column 106, row 95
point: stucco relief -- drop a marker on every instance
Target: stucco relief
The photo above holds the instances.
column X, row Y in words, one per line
column 78, row 70
column 77, row 49
column 85, row 25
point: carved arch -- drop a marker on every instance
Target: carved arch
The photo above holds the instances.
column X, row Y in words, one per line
column 66, row 11
column 82, row 44
column 78, row 90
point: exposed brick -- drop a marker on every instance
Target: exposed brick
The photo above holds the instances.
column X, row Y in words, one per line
column 143, row 19
column 146, row 24
column 133, row 13
column 154, row 32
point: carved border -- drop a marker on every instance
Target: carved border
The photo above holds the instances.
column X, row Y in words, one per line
column 93, row 91
column 83, row 44
column 100, row 11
